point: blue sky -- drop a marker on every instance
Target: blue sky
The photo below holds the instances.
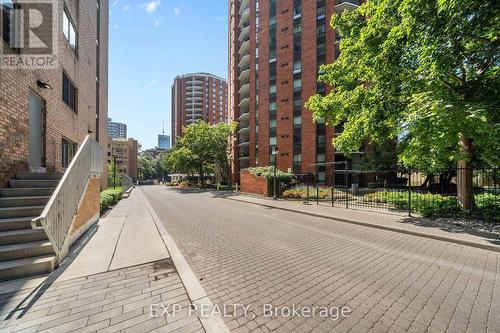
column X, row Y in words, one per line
column 150, row 43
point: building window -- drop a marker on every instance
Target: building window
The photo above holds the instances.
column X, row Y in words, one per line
column 69, row 93
column 297, row 66
column 297, row 84
column 68, row 151
column 297, row 120
column 69, row 30
column 272, row 89
column 297, row 159
column 8, row 23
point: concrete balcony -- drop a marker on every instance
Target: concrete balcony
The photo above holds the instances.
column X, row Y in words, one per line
column 244, row 103
column 194, row 94
column 244, row 47
column 244, row 34
column 244, row 129
column 342, row 5
column 244, row 63
column 243, row 5
column 244, row 17
column 194, row 104
column 194, row 83
column 244, row 115
column 244, row 91
column 244, row 77
column 244, row 143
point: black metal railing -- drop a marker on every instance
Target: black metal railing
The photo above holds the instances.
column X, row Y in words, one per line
column 412, row 191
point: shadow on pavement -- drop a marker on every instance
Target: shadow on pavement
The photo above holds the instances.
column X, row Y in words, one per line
column 27, row 302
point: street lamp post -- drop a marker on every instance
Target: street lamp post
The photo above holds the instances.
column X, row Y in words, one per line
column 275, row 154
column 114, row 172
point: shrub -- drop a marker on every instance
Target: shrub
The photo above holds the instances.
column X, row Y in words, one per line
column 268, row 172
column 184, row 184
column 300, row 192
column 435, row 205
column 109, row 197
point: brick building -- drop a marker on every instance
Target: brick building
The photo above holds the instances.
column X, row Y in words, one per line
column 124, row 152
column 133, row 151
column 197, row 96
column 46, row 113
column 275, row 51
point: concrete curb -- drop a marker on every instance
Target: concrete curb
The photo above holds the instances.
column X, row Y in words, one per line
column 489, row 247
column 198, row 295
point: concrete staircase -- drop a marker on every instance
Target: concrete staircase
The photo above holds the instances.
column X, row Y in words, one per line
column 24, row 251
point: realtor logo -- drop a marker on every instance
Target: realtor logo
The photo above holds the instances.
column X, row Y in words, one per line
column 29, row 34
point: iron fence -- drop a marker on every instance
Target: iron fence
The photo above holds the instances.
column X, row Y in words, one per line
column 412, row 191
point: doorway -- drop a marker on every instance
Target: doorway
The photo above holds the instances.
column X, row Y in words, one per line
column 36, row 155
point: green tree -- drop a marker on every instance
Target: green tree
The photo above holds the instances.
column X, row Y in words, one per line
column 209, row 147
column 162, row 168
column 424, row 73
column 181, row 160
column 114, row 175
column 145, row 165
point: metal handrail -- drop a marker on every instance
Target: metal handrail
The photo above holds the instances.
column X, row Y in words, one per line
column 58, row 214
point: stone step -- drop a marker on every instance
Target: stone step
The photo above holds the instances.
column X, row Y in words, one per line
column 25, row 192
column 24, row 201
column 39, row 176
column 22, row 236
column 25, row 250
column 30, row 183
column 17, row 268
column 6, row 212
column 16, row 223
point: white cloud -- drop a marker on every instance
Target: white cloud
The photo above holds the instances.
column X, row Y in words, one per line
column 158, row 22
column 177, row 11
column 115, row 26
column 113, row 3
column 152, row 6
column 126, row 7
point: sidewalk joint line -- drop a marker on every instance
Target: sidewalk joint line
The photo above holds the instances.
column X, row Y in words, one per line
column 116, row 245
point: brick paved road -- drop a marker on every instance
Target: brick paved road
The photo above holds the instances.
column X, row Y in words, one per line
column 114, row 301
column 392, row 282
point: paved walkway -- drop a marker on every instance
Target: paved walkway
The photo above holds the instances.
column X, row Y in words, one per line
column 115, row 275
column 390, row 281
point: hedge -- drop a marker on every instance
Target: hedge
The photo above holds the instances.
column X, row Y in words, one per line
column 110, row 197
column 268, row 172
column 487, row 205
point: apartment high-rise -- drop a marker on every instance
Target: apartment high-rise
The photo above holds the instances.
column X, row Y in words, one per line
column 275, row 52
column 197, row 96
column 117, row 130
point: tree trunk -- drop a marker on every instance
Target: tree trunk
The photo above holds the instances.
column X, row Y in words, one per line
column 464, row 176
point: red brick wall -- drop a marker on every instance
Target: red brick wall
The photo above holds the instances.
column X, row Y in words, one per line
column 132, row 158
column 61, row 121
column 89, row 206
column 253, row 184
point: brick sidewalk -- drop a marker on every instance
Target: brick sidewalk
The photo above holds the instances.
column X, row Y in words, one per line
column 118, row 300
column 113, row 277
